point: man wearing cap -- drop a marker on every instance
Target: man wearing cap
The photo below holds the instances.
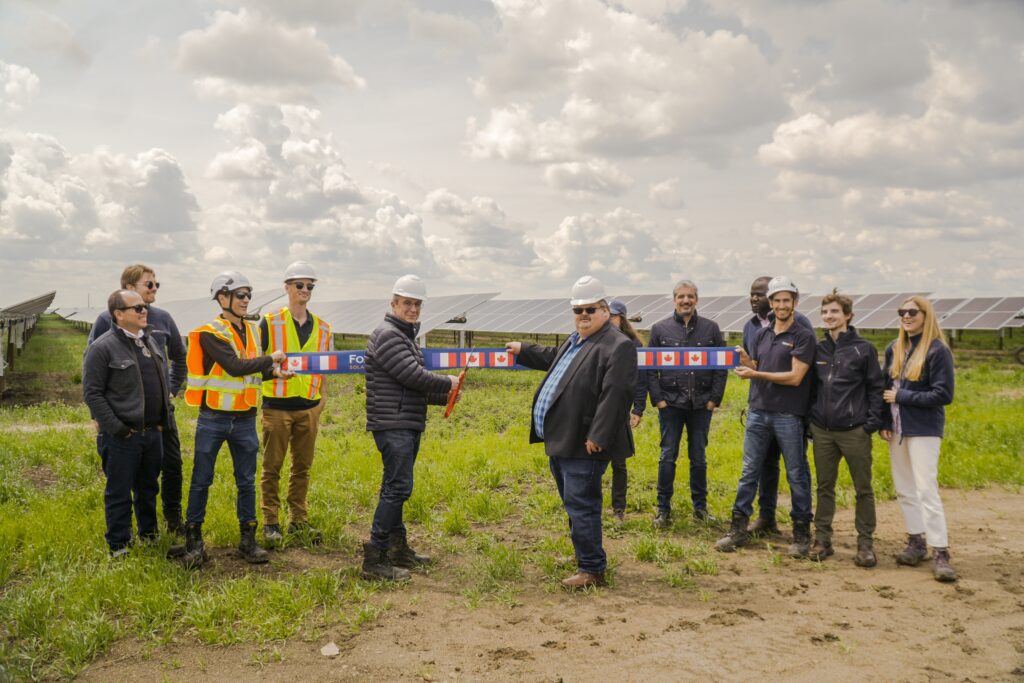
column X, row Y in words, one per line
column 225, row 371
column 780, row 392
column 398, row 390
column 291, row 407
column 685, row 398
column 581, row 414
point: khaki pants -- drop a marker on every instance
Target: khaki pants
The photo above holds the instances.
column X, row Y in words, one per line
column 829, row 449
column 281, row 428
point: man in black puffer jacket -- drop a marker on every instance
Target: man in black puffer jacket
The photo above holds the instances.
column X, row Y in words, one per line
column 398, row 390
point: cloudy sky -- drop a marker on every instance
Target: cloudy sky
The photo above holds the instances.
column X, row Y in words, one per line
column 512, row 145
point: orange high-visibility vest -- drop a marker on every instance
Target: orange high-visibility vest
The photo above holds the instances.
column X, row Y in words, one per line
column 223, row 391
column 283, row 337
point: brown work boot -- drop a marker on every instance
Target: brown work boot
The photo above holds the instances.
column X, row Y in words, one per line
column 820, row 550
column 915, row 551
column 865, row 556
column 942, row 570
column 582, row 579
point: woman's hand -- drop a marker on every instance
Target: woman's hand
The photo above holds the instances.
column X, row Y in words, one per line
column 889, row 395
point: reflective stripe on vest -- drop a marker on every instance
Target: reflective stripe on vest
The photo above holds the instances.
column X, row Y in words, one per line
column 284, row 337
column 221, row 390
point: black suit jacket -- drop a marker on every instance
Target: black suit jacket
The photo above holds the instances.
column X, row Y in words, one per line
column 593, row 399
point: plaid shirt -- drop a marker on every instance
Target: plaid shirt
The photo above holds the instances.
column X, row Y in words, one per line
column 550, row 386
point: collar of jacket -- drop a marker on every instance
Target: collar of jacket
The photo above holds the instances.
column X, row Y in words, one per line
column 847, row 337
column 411, row 329
column 679, row 319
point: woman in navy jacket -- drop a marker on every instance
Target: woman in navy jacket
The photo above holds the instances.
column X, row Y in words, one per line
column 620, row 476
column 919, row 383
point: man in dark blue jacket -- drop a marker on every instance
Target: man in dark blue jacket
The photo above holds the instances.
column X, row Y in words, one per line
column 142, row 280
column 685, row 398
column 847, row 410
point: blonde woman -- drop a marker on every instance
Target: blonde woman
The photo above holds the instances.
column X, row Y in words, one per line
column 919, row 383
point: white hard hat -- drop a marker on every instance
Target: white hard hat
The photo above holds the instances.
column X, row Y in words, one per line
column 587, row 290
column 228, row 281
column 411, row 286
column 781, row 283
column 300, row 270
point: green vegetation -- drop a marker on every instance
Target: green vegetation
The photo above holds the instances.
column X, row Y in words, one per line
column 483, row 503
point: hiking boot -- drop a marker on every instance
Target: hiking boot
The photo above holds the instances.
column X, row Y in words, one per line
column 307, row 533
column 703, row 516
column 195, row 550
column 121, row 553
column 581, row 580
column 820, row 550
column 942, row 570
column 800, row 546
column 174, row 524
column 272, row 534
column 377, row 566
column 865, row 556
column 915, row 551
column 401, row 555
column 663, row 520
column 764, row 526
column 619, row 514
column 248, row 549
column 737, row 537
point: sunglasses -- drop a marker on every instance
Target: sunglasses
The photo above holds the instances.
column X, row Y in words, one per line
column 150, row 284
column 242, row 295
column 912, row 312
column 138, row 308
column 303, row 285
column 589, row 310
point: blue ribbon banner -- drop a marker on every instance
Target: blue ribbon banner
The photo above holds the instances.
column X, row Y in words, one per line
column 661, row 358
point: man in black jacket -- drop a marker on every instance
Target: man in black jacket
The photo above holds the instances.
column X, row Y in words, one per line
column 847, row 410
column 398, row 390
column 581, row 414
column 685, row 398
column 124, row 383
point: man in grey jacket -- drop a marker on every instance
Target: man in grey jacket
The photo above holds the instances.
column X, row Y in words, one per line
column 124, row 383
column 398, row 390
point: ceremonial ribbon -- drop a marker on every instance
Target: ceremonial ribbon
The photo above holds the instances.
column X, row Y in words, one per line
column 660, row 358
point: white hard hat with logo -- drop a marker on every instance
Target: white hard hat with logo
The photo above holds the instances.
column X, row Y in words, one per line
column 587, row 290
column 781, row 283
column 227, row 282
column 299, row 270
column 410, row 286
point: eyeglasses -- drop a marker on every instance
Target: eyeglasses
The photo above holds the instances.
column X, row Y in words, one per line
column 138, row 308
column 242, row 295
column 303, row 285
column 410, row 303
column 912, row 312
column 150, row 284
column 589, row 310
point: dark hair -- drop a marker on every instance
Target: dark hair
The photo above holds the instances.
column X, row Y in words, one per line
column 115, row 301
column 845, row 302
column 627, row 329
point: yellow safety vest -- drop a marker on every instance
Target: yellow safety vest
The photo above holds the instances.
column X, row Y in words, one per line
column 284, row 337
column 223, row 391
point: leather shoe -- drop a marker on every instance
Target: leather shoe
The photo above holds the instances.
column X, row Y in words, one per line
column 583, row 579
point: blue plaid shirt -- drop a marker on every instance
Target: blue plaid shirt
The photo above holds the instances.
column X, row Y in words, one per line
column 547, row 390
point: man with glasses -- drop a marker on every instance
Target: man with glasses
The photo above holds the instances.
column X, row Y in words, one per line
column 124, row 383
column 225, row 372
column 581, row 414
column 685, row 398
column 142, row 280
column 398, row 390
column 291, row 407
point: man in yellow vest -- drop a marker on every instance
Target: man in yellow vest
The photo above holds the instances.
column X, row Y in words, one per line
column 225, row 372
column 291, row 407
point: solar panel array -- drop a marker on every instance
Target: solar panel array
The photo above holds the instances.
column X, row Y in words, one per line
column 362, row 316
column 16, row 324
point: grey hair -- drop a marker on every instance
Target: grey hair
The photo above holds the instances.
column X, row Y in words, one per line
column 688, row 284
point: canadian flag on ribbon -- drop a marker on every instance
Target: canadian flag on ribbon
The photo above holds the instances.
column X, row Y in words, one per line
column 645, row 358
column 696, row 358
column 448, row 360
column 473, row 359
column 500, row 359
column 326, row 362
column 668, row 358
column 296, row 363
column 724, row 358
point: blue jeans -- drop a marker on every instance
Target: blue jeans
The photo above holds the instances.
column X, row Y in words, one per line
column 788, row 430
column 398, row 449
column 697, row 423
column 132, row 465
column 212, row 430
column 579, row 486
column 768, row 487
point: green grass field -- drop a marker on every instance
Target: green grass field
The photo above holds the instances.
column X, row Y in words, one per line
column 483, row 502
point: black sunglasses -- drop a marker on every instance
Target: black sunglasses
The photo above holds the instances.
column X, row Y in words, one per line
column 138, row 308
column 912, row 312
column 303, row 285
column 589, row 310
column 242, row 295
column 150, row 284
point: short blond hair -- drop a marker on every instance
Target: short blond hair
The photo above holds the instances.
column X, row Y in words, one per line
column 131, row 275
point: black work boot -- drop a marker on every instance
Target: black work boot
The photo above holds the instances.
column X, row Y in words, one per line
column 801, row 545
column 663, row 520
column 401, row 555
column 738, row 535
column 376, row 565
column 865, row 556
column 248, row 549
column 195, row 550
column 915, row 551
column 942, row 570
column 174, row 524
column 764, row 526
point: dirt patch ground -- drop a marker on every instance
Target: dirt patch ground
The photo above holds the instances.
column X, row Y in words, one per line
column 27, row 389
column 759, row 618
